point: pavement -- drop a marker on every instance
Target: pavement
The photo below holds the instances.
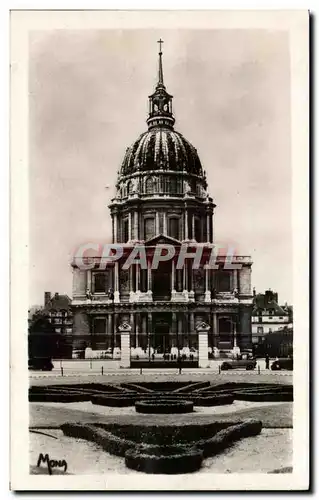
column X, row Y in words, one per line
column 76, row 371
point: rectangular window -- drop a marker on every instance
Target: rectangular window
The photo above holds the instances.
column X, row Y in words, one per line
column 173, row 227
column 223, row 280
column 149, row 228
column 260, row 329
column 99, row 282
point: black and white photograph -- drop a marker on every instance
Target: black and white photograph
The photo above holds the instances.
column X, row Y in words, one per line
column 160, row 329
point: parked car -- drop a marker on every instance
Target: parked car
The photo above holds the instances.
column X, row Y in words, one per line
column 244, row 360
column 44, row 364
column 282, row 364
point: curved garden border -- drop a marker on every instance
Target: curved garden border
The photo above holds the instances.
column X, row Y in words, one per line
column 164, row 459
column 167, row 459
column 164, row 406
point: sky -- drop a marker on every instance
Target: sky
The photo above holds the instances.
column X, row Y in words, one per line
column 88, row 101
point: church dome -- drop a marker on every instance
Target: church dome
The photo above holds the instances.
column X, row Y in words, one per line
column 161, row 148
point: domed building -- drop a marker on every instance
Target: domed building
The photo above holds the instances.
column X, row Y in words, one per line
column 151, row 316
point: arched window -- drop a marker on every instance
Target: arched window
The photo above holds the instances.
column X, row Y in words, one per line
column 173, row 227
column 198, row 230
column 173, row 185
column 149, row 228
column 129, row 187
column 149, row 185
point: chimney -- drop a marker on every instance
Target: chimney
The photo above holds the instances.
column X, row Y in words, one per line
column 47, row 298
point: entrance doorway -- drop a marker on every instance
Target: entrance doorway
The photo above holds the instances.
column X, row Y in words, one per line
column 161, row 279
column 161, row 338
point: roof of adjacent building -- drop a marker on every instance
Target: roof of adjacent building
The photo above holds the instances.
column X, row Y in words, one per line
column 267, row 302
column 58, row 302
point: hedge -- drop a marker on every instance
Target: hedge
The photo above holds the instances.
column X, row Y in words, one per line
column 108, row 441
column 214, row 400
column 164, row 406
column 193, row 386
column 264, row 396
column 226, row 437
column 164, row 459
column 114, row 400
column 56, row 397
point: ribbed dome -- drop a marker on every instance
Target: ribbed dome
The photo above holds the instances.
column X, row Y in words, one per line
column 161, row 149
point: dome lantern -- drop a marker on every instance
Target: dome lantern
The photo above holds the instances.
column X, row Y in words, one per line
column 160, row 102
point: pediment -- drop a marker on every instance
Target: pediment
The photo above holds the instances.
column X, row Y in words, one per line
column 162, row 239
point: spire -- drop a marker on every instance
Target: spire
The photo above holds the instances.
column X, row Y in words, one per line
column 160, row 103
column 160, row 65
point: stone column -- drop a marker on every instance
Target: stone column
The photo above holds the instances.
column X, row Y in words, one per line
column 89, row 280
column 116, row 283
column 207, row 290
column 164, row 223
column 144, row 327
column 193, row 227
column 149, row 280
column 215, row 329
column 137, row 324
column 156, row 223
column 212, row 234
column 137, row 279
column 235, row 333
column 191, row 323
column 202, row 330
column 190, row 273
column 115, row 227
column 136, row 235
column 131, row 284
column 125, row 331
column 130, row 226
column 186, row 236
column 109, row 324
column 173, row 289
column 207, row 228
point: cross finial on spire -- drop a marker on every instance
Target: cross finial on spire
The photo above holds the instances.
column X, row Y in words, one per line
column 160, row 66
column 160, row 41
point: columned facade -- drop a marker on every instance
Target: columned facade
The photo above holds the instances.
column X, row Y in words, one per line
column 172, row 311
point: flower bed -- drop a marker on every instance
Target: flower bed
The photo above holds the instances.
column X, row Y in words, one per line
column 127, row 394
column 164, row 406
column 164, row 459
column 163, row 434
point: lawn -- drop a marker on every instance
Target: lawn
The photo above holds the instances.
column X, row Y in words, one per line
column 272, row 416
